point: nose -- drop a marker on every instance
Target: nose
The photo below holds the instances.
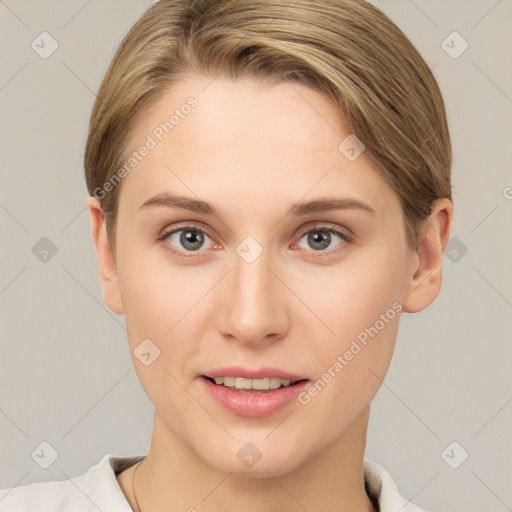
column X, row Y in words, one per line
column 252, row 308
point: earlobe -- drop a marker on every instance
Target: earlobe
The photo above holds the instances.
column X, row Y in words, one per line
column 425, row 272
column 106, row 261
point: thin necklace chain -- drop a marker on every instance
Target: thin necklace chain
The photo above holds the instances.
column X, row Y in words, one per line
column 140, row 510
column 133, row 486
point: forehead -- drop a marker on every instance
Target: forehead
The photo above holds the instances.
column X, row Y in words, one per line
column 260, row 141
column 241, row 106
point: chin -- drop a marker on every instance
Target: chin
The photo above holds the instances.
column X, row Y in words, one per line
column 249, row 462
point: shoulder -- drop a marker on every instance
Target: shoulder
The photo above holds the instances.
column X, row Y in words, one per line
column 383, row 490
column 97, row 489
column 43, row 496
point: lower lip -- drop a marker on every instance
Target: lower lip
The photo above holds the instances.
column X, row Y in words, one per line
column 252, row 403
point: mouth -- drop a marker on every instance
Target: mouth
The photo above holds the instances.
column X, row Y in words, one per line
column 256, row 394
column 261, row 385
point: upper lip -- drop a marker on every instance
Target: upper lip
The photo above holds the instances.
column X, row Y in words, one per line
column 252, row 373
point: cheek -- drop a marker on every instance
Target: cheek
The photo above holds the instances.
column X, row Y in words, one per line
column 352, row 296
column 159, row 316
column 360, row 310
column 156, row 293
column 164, row 303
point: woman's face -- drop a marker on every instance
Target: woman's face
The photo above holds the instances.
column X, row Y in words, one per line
column 257, row 281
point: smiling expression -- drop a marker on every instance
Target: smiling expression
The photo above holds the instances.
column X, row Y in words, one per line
column 247, row 239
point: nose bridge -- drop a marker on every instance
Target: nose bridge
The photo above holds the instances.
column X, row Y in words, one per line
column 253, row 305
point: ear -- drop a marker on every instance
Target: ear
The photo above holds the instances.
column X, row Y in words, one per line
column 106, row 260
column 425, row 272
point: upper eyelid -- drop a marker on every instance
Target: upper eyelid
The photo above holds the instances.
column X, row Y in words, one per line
column 166, row 232
column 327, row 226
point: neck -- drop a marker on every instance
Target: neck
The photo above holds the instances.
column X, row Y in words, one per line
column 173, row 477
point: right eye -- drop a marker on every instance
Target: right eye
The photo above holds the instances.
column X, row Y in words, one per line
column 190, row 238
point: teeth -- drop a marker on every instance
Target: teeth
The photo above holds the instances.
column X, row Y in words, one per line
column 259, row 384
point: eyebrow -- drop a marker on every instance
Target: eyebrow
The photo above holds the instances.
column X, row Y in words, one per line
column 299, row 208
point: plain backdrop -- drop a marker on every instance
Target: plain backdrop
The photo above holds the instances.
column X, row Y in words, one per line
column 66, row 377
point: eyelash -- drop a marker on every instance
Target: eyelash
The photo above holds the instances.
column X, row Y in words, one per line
column 345, row 237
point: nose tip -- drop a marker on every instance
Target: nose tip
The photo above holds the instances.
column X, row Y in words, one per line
column 252, row 308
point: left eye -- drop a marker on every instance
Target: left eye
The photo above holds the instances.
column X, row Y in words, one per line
column 320, row 238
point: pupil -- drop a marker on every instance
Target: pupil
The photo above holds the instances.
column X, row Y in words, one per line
column 191, row 237
column 324, row 239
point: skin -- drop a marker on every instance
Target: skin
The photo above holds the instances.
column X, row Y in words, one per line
column 251, row 150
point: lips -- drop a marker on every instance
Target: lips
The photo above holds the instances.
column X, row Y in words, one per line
column 253, row 403
column 253, row 392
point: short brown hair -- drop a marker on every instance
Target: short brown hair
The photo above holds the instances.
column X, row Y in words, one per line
column 347, row 49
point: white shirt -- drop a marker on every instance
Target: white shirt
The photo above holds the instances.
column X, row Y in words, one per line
column 98, row 489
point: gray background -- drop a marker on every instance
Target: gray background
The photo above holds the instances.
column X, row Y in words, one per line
column 66, row 375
